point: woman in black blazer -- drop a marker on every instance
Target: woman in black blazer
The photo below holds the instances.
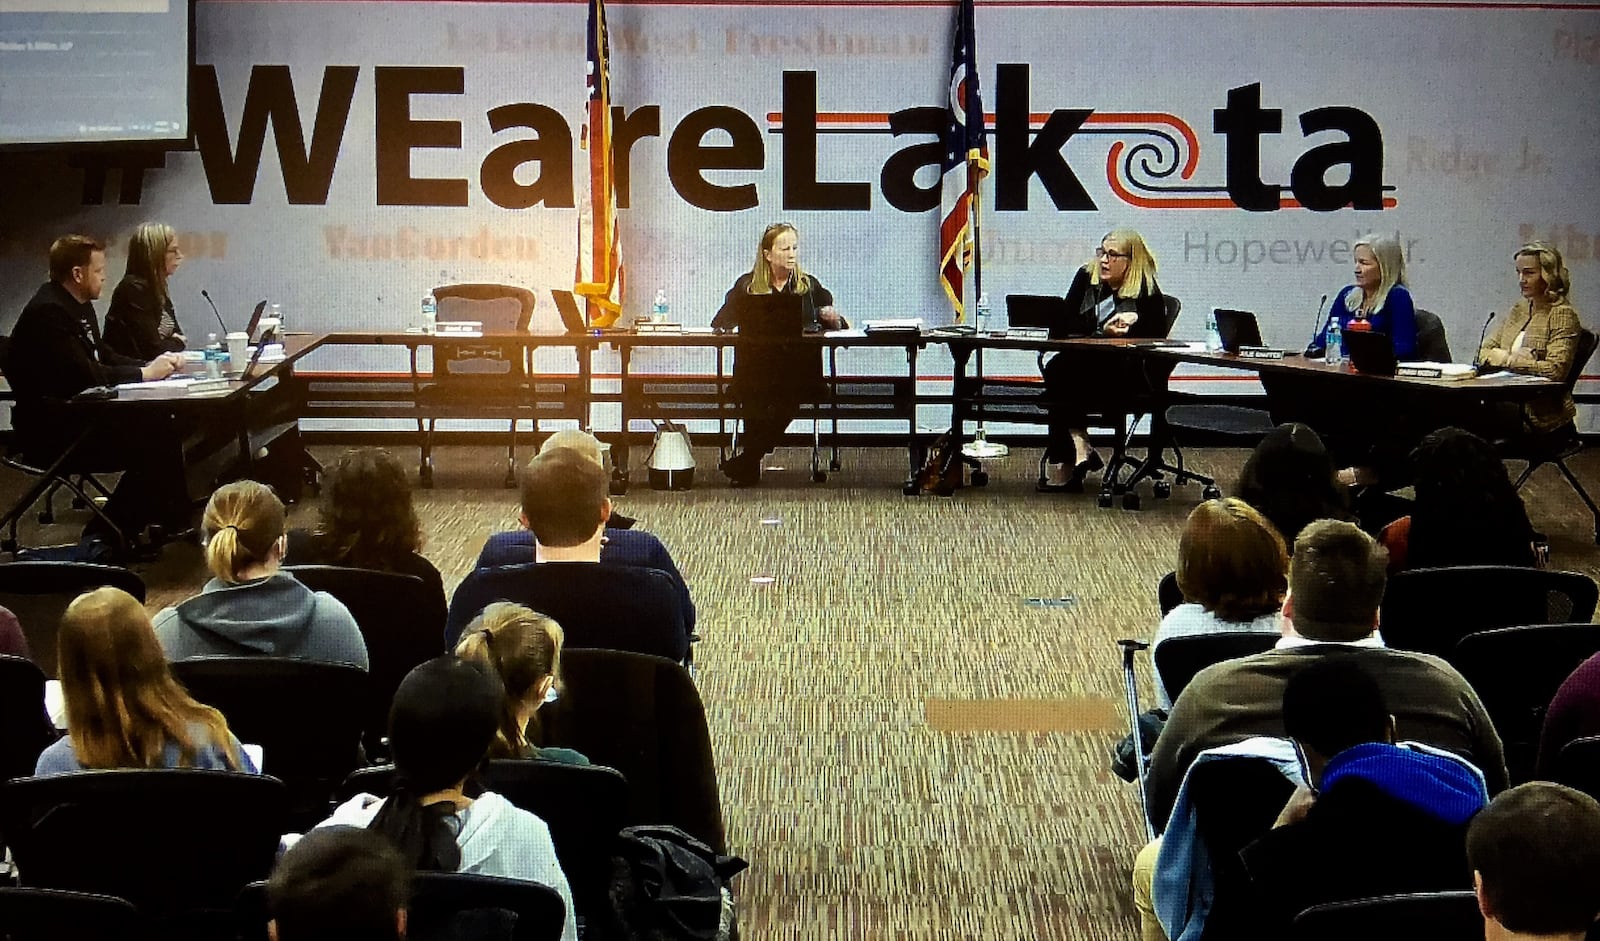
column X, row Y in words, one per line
column 1113, row 296
column 141, row 322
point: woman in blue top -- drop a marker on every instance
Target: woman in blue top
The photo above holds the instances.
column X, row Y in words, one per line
column 1379, row 300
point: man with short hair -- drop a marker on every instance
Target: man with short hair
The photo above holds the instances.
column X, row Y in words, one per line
column 1535, row 855
column 339, row 884
column 1336, row 581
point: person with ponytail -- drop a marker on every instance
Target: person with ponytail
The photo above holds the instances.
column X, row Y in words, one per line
column 445, row 717
column 124, row 709
column 523, row 647
column 251, row 607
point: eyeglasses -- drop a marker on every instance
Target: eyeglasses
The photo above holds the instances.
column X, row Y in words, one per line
column 1107, row 253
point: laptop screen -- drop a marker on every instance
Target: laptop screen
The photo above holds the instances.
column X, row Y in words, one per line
column 571, row 317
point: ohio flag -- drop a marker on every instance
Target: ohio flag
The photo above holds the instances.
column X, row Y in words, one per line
column 966, row 163
column 599, row 271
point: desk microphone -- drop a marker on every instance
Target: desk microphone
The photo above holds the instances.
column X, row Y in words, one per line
column 1477, row 354
column 1311, row 348
column 205, row 294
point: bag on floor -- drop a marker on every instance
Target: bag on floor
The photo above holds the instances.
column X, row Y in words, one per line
column 941, row 473
column 1124, row 758
column 668, row 886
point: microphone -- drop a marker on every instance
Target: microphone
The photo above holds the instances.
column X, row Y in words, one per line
column 207, row 295
column 1478, row 353
column 1312, row 348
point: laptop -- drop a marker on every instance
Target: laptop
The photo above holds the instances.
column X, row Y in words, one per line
column 571, row 316
column 255, row 320
column 1370, row 352
column 1237, row 328
column 777, row 314
column 1047, row 312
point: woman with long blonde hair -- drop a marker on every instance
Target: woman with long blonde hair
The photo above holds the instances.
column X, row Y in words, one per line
column 1380, row 298
column 523, row 647
column 141, row 321
column 124, row 709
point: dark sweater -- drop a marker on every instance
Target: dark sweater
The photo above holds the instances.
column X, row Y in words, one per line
column 133, row 321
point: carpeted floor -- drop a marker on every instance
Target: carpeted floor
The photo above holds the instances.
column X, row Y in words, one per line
column 911, row 700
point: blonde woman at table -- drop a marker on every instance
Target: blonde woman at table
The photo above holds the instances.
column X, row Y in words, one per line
column 768, row 411
column 1379, row 300
column 1114, row 295
column 1538, row 337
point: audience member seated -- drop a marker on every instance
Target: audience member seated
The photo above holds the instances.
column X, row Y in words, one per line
column 1290, row 478
column 524, row 648
column 1574, row 713
column 124, row 709
column 250, row 607
column 1535, row 853
column 1466, row 511
column 1233, row 570
column 366, row 521
column 13, row 642
column 339, row 884
column 445, row 717
column 1336, row 580
column 1376, row 818
column 565, row 512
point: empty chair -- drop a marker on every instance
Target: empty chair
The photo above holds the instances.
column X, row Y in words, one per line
column 38, row 592
column 642, row 716
column 1516, row 672
column 1430, row 610
column 25, row 729
column 615, row 607
column 1179, row 659
column 178, row 844
column 51, row 914
column 396, row 615
column 1437, row 916
column 305, row 715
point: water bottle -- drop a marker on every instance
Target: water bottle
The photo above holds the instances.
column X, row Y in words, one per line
column 983, row 313
column 658, row 309
column 430, row 313
column 1334, row 355
column 213, row 357
column 1213, row 335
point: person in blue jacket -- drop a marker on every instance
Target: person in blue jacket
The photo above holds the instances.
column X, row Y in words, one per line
column 1380, row 299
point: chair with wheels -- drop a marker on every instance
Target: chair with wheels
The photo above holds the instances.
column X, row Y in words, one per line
column 447, row 905
column 616, row 607
column 642, row 716
column 1178, row 659
column 400, row 621
column 305, row 715
column 1438, row 916
column 177, row 844
column 1516, row 672
column 479, row 378
column 1554, row 447
column 50, row 914
column 39, row 592
column 1430, row 610
column 25, row 727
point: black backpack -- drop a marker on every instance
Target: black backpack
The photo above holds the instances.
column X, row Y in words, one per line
column 668, row 886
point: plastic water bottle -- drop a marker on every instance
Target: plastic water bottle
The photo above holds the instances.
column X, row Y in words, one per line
column 276, row 313
column 1213, row 335
column 658, row 309
column 430, row 313
column 983, row 313
column 1334, row 355
column 213, row 356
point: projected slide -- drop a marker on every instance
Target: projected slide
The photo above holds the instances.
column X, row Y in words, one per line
column 93, row 70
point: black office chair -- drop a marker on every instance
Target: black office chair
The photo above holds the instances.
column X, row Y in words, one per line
column 1578, row 765
column 52, row 914
column 1178, row 660
column 1168, row 594
column 38, row 592
column 616, row 607
column 1433, row 345
column 1516, row 672
column 642, row 716
column 477, row 378
column 1437, row 916
column 1430, row 610
column 447, row 906
column 177, row 844
column 1541, row 448
column 305, row 715
column 25, row 728
column 400, row 622
column 585, row 807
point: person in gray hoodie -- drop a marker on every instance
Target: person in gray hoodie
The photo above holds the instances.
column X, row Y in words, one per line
column 250, row 607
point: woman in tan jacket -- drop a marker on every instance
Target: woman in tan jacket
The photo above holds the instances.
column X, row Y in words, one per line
column 1538, row 337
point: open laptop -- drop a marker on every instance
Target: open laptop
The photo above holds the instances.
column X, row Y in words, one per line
column 1370, row 352
column 1047, row 312
column 777, row 314
column 1237, row 328
column 255, row 320
column 571, row 315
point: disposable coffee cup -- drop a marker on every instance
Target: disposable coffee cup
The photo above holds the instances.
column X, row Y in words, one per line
column 238, row 350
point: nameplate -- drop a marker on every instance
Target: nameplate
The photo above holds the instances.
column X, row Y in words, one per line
column 1026, row 333
column 1451, row 371
column 651, row 326
column 1259, row 352
column 459, row 328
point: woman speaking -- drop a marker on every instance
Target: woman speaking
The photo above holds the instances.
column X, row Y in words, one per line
column 141, row 322
column 769, row 406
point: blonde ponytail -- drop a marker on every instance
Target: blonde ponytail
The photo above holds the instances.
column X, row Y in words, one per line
column 242, row 522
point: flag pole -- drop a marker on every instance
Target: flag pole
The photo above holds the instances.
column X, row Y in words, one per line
column 980, row 446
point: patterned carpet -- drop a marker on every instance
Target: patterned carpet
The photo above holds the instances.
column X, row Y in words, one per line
column 908, row 747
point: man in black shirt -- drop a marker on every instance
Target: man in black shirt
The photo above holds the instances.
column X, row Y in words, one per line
column 54, row 354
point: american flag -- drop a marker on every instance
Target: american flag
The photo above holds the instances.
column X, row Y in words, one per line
column 966, row 163
column 599, row 272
